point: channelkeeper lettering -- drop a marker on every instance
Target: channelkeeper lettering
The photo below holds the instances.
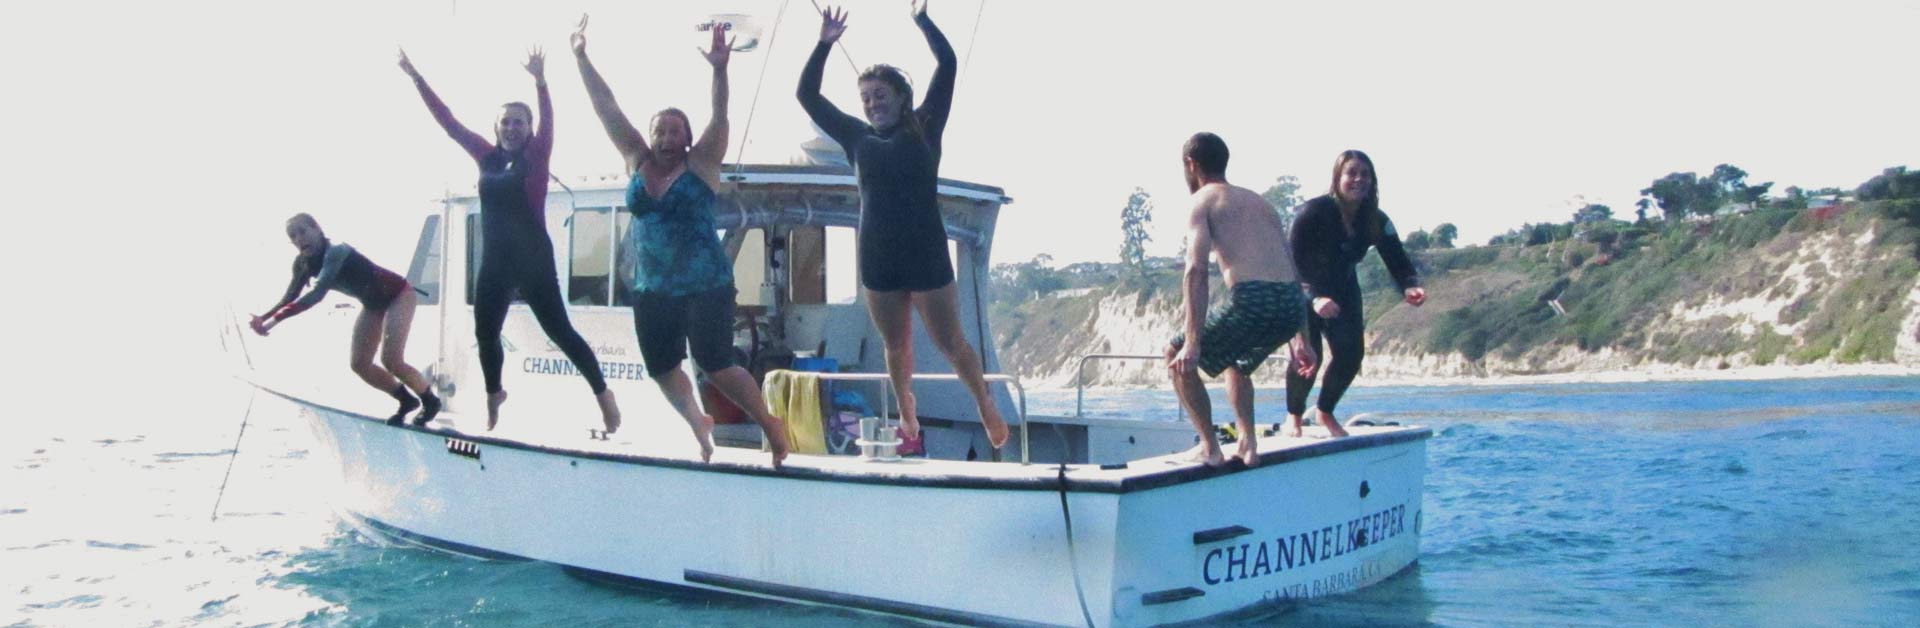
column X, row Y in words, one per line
column 1250, row 560
column 563, row 366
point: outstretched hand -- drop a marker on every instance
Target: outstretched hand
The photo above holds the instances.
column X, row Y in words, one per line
column 537, row 63
column 260, row 324
column 833, row 24
column 722, row 49
column 406, row 65
column 579, row 37
column 919, row 8
column 1416, row 296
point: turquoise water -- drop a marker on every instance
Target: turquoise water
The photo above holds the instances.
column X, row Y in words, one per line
column 1777, row 503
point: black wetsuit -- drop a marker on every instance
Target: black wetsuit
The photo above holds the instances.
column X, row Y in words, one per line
column 1325, row 255
column 344, row 269
column 515, row 251
column 902, row 240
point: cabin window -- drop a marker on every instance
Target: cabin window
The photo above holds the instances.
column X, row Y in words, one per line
column 807, row 271
column 425, row 271
column 842, row 269
column 590, row 256
column 750, row 267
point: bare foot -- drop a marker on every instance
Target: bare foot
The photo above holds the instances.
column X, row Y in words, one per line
column 997, row 431
column 776, row 431
column 909, row 416
column 1293, row 426
column 703, row 432
column 1333, row 426
column 494, row 400
column 1208, row 455
column 609, row 411
column 1249, row 452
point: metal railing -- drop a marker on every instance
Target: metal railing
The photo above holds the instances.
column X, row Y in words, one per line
column 886, row 395
column 1080, row 374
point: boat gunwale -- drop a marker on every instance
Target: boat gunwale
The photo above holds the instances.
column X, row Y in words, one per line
column 1147, row 480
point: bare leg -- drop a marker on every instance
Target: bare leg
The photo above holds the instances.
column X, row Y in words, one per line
column 609, row 411
column 679, row 391
column 940, row 310
column 366, row 337
column 738, row 386
column 892, row 314
column 1293, row 426
column 1193, row 395
column 494, row 399
column 1240, row 391
column 1332, row 424
column 393, row 350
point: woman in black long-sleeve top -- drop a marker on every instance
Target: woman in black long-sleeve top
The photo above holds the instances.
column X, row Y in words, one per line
column 902, row 241
column 1330, row 235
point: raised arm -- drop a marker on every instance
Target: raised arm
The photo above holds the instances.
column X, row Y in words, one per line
column 631, row 143
column 708, row 153
column 1194, row 285
column 841, row 127
column 939, row 99
column 540, row 146
column 475, row 145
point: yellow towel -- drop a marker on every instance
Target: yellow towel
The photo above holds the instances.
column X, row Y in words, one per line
column 795, row 396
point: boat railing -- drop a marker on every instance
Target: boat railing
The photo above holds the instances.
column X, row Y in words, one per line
column 886, row 395
column 1080, row 374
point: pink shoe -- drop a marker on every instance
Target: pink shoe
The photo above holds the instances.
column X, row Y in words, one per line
column 915, row 446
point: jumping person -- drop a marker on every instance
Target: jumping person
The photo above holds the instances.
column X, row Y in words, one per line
column 515, row 249
column 1330, row 235
column 386, row 305
column 683, row 279
column 1264, row 305
column 902, row 242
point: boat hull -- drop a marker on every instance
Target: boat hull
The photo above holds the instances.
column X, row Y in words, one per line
column 929, row 540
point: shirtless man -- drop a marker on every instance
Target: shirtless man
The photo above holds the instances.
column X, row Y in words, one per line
column 1265, row 305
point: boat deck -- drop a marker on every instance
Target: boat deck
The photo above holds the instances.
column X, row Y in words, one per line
column 665, row 444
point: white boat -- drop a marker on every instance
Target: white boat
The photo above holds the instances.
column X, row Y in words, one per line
column 1086, row 522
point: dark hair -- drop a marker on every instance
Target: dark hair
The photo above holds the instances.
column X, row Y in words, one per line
column 1209, row 152
column 1373, row 193
column 522, row 107
column 897, row 79
column 675, row 112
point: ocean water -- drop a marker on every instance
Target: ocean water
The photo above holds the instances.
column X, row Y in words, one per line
column 1766, row 503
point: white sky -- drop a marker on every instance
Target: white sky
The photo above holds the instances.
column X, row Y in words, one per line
column 179, row 135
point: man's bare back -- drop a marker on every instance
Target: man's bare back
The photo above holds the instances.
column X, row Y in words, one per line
column 1247, row 234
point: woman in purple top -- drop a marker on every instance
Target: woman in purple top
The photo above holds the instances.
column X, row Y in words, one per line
column 515, row 252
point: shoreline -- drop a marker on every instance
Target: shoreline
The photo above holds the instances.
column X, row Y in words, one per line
column 1657, row 373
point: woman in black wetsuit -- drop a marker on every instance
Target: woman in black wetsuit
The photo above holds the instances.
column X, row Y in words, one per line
column 1330, row 235
column 515, row 251
column 895, row 155
column 386, row 304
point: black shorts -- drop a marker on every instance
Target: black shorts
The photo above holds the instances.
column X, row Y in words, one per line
column 668, row 325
